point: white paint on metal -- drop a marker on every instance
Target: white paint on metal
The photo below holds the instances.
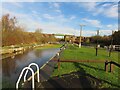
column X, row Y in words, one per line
column 38, row 79
column 26, row 68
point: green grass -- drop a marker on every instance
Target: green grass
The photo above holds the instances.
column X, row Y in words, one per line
column 85, row 53
column 49, row 46
column 94, row 69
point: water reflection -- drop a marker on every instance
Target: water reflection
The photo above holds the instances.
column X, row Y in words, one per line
column 11, row 68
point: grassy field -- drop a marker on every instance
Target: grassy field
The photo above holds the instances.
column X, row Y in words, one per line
column 86, row 53
column 94, row 69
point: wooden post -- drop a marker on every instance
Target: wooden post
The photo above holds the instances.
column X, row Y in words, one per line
column 106, row 66
column 111, row 67
column 58, row 60
column 58, row 64
column 96, row 50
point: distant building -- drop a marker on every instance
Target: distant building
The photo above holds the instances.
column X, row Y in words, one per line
column 69, row 38
column 115, row 47
column 73, row 39
column 60, row 37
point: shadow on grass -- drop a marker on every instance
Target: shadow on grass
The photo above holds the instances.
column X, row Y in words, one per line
column 50, row 83
column 91, row 67
column 84, row 79
column 68, row 80
column 83, row 73
column 85, row 83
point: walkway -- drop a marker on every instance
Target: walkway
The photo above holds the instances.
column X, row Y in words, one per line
column 45, row 74
column 72, row 80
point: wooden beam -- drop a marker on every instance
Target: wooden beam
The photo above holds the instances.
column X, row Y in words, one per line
column 92, row 61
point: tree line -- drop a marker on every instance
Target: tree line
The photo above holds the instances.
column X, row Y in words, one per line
column 107, row 40
column 13, row 34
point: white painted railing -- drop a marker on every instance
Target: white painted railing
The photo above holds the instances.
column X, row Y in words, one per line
column 26, row 68
column 29, row 68
column 37, row 72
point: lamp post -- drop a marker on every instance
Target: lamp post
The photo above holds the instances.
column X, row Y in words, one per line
column 81, row 25
column 97, row 43
column 111, row 46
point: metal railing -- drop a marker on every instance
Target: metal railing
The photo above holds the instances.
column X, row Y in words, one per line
column 33, row 79
column 37, row 72
column 26, row 68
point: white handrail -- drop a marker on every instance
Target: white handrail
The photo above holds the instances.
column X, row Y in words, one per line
column 26, row 68
column 37, row 72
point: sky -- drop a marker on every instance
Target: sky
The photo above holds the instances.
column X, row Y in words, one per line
column 65, row 17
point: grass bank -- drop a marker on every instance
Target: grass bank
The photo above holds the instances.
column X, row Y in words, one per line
column 8, row 52
column 109, row 80
column 46, row 46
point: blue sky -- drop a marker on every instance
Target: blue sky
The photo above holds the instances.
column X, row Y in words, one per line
column 65, row 17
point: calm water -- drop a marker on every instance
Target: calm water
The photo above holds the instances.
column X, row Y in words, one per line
column 11, row 68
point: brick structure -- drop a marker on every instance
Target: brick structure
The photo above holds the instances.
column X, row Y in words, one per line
column 73, row 39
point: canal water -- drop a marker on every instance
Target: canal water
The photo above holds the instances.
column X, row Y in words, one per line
column 11, row 68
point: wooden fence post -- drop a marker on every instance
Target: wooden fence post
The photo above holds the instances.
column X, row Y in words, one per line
column 106, row 66
column 111, row 67
column 58, row 64
column 58, row 60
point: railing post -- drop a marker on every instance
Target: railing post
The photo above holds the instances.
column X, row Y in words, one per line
column 106, row 66
column 58, row 64
column 111, row 66
column 58, row 54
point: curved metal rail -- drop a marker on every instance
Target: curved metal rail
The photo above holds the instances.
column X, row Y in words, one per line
column 26, row 68
column 38, row 79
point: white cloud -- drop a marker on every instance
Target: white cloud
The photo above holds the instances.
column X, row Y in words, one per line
column 34, row 12
column 53, row 27
column 19, row 0
column 17, row 4
column 112, row 11
column 58, row 10
column 61, row 19
column 106, row 32
column 107, row 9
column 72, row 17
column 56, row 5
column 88, row 33
column 111, row 26
column 6, row 11
column 106, row 5
column 60, row 1
column 56, row 18
column 90, row 6
column 26, row 20
column 47, row 16
column 98, row 11
column 94, row 23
